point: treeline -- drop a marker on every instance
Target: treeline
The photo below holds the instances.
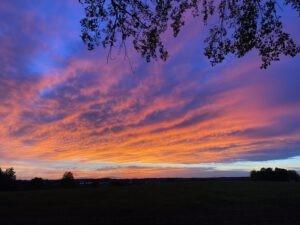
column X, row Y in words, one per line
column 67, row 181
column 278, row 174
column 8, row 181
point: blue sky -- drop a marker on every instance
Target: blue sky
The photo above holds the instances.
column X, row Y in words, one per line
column 63, row 107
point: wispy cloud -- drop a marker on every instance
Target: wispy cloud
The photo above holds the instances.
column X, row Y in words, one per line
column 64, row 107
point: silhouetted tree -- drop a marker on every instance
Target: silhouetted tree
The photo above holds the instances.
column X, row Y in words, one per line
column 239, row 26
column 293, row 175
column 37, row 182
column 7, row 178
column 278, row 174
column 68, row 179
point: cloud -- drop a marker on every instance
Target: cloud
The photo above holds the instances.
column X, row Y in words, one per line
column 60, row 103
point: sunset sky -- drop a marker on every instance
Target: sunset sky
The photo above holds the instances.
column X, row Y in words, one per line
column 63, row 107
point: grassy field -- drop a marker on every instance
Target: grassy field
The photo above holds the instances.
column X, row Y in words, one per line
column 184, row 203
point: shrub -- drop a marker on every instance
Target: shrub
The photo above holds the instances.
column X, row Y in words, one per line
column 37, row 182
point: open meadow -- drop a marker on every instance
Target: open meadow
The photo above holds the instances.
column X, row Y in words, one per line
column 169, row 203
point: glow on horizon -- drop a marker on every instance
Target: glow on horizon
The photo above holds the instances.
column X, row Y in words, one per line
column 149, row 170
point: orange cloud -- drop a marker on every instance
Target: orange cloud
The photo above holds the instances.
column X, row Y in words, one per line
column 82, row 109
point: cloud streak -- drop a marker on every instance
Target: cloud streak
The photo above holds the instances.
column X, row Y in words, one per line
column 65, row 106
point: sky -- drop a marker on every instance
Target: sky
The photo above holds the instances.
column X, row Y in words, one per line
column 63, row 107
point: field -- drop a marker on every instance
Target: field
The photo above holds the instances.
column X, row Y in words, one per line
column 184, row 203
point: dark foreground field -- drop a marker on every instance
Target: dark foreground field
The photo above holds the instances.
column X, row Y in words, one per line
column 184, row 203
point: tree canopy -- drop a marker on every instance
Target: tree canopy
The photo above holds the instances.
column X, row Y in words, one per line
column 68, row 179
column 7, row 178
column 278, row 174
column 239, row 26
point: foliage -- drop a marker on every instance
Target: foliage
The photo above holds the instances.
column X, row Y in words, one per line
column 7, row 178
column 68, row 179
column 274, row 175
column 240, row 26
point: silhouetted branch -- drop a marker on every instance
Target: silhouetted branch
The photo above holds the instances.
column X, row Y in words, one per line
column 243, row 25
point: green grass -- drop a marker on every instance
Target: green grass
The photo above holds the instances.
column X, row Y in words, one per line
column 184, row 203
